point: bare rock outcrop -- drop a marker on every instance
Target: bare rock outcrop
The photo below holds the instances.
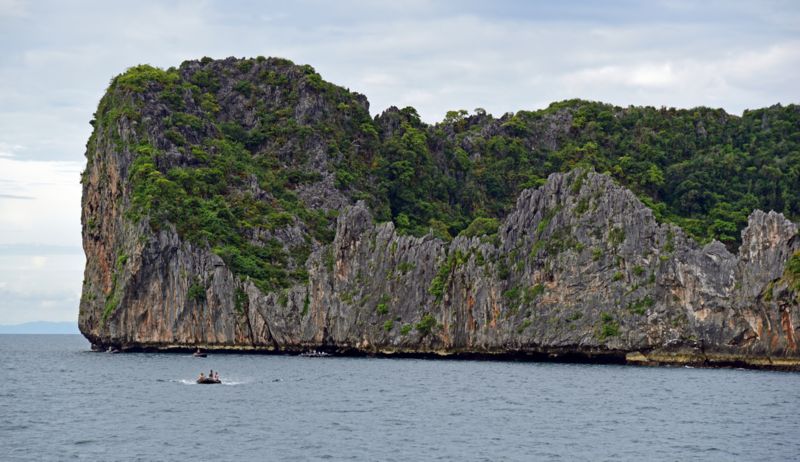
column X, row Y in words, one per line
column 580, row 268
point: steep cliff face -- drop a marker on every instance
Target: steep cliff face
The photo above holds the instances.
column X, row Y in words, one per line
column 579, row 268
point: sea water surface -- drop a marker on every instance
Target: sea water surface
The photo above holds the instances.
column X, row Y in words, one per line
column 60, row 401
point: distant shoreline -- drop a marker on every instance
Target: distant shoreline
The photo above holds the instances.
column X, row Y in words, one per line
column 38, row 333
column 41, row 328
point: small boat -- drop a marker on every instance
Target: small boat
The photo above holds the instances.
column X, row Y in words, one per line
column 199, row 354
column 208, row 381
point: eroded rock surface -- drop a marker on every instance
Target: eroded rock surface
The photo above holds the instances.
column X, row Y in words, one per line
column 579, row 267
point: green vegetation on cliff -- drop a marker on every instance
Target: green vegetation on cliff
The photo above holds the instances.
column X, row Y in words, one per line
column 702, row 169
column 248, row 157
column 220, row 184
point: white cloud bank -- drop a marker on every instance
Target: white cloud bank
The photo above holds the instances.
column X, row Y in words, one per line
column 39, row 202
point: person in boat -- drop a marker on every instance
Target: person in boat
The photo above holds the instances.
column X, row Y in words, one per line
column 216, row 376
column 202, row 377
column 211, row 374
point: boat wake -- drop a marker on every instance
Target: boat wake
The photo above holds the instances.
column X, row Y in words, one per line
column 232, row 382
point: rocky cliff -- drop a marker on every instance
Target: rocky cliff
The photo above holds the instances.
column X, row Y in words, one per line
column 578, row 268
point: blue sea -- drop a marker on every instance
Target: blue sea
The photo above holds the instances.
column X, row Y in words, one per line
column 60, row 401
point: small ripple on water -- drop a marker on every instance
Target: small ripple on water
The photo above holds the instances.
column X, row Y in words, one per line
column 346, row 411
column 14, row 427
column 646, row 408
column 82, row 442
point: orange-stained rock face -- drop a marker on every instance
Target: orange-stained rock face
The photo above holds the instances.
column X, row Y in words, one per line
column 788, row 329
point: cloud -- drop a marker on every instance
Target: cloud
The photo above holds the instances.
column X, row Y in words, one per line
column 14, row 196
column 9, row 150
column 39, row 287
column 13, row 8
column 757, row 75
column 38, row 249
column 17, row 307
column 50, row 212
column 38, row 261
column 39, row 282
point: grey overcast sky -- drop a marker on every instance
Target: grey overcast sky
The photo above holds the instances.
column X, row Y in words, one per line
column 56, row 59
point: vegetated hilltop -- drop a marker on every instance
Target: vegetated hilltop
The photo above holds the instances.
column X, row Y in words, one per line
column 219, row 209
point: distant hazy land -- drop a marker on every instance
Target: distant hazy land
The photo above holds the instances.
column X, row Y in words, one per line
column 41, row 327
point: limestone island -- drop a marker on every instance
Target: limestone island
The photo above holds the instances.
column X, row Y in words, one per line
column 249, row 205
